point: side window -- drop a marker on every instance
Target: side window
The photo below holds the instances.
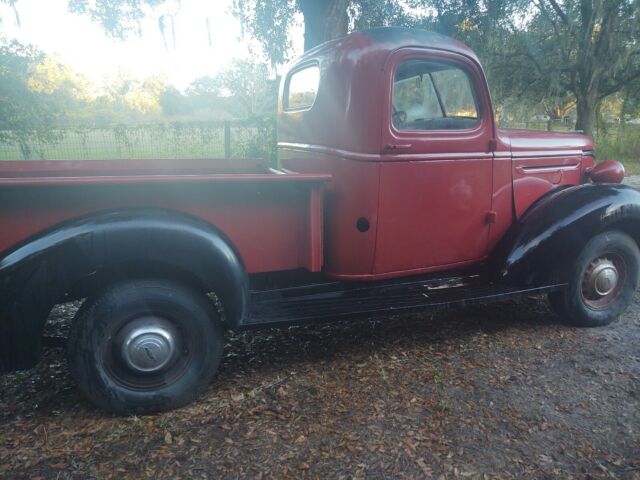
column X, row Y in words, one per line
column 433, row 96
column 302, row 88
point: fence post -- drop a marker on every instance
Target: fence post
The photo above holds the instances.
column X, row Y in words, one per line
column 274, row 144
column 227, row 139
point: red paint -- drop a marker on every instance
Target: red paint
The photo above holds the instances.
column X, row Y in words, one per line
column 433, row 200
column 608, row 171
column 352, row 193
column 428, row 198
column 543, row 161
column 273, row 220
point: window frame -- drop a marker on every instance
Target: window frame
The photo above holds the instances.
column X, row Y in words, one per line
column 290, row 75
column 445, row 61
column 426, row 145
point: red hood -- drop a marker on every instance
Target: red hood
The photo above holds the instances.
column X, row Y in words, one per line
column 537, row 140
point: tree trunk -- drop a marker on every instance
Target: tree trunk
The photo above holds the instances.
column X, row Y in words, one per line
column 623, row 110
column 586, row 111
column 323, row 20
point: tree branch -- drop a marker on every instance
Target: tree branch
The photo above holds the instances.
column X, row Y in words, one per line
column 558, row 10
column 605, row 92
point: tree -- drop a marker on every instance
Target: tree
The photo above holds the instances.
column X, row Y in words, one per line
column 591, row 47
column 25, row 115
column 204, row 86
column 270, row 21
column 250, row 86
column 173, row 102
column 117, row 17
column 365, row 14
column 51, row 76
column 547, row 50
column 550, row 49
column 130, row 95
column 323, row 20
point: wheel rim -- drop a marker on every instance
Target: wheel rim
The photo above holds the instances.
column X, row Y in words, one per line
column 147, row 353
column 149, row 346
column 603, row 280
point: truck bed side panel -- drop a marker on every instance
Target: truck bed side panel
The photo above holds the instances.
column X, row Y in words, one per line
column 274, row 225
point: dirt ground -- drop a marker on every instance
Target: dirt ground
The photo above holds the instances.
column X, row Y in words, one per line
column 497, row 391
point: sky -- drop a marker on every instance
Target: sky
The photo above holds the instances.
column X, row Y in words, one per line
column 81, row 43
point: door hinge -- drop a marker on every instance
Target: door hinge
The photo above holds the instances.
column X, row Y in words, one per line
column 491, row 216
column 493, row 145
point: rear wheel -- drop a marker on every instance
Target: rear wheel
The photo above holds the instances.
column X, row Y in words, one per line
column 602, row 281
column 145, row 346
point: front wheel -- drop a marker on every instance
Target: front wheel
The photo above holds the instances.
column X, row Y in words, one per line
column 602, row 281
column 145, row 346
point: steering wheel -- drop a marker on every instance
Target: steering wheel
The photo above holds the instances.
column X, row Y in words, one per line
column 399, row 117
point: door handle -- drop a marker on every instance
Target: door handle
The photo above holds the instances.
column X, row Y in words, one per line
column 397, row 147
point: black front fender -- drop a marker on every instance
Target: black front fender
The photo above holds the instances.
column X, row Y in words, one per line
column 37, row 274
column 548, row 238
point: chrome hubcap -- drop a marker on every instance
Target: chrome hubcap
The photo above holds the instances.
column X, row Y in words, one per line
column 603, row 278
column 149, row 345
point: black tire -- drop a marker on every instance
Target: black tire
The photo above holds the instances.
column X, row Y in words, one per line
column 580, row 303
column 145, row 346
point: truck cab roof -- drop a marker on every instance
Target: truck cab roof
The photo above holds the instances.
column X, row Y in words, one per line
column 371, row 43
column 349, row 81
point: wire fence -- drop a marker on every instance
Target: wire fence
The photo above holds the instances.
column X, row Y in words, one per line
column 556, row 125
column 255, row 138
column 198, row 140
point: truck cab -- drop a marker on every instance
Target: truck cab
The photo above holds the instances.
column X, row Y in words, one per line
column 402, row 120
column 394, row 191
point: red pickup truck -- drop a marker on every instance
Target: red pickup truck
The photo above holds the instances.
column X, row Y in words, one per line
column 395, row 190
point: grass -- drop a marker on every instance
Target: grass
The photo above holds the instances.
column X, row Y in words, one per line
column 622, row 144
column 631, row 166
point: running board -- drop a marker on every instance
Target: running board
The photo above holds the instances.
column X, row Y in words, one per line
column 329, row 301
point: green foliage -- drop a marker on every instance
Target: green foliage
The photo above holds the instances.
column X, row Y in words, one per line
column 249, row 84
column 24, row 114
column 269, row 21
column 555, row 53
column 366, row 14
column 118, row 18
column 243, row 90
column 623, row 144
column 168, row 140
column 550, row 56
column 173, row 102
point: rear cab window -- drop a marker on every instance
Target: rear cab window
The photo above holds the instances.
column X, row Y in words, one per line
column 302, row 88
column 433, row 95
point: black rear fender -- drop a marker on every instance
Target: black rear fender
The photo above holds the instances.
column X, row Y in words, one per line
column 548, row 238
column 85, row 253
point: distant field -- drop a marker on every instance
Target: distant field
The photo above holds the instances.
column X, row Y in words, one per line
column 143, row 143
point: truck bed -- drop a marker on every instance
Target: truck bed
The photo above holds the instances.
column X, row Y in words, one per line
column 272, row 217
column 61, row 172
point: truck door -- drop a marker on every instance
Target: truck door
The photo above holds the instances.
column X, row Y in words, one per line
column 436, row 163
